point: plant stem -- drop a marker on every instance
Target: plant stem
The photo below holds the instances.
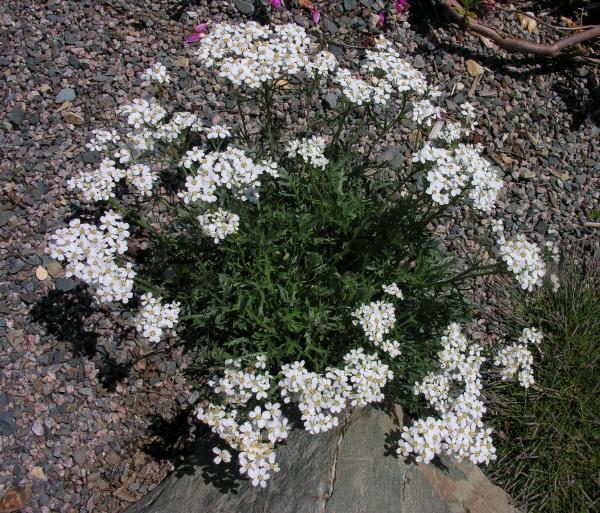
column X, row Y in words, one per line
column 469, row 273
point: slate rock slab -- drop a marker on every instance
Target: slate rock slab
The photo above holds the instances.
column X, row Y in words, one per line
column 351, row 469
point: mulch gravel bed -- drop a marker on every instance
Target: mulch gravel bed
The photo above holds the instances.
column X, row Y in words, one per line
column 91, row 417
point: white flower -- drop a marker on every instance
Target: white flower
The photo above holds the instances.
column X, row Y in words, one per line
column 222, row 455
column 516, row 359
column 393, row 290
column 218, row 132
column 142, row 178
column 455, row 170
column 229, row 169
column 157, row 73
column 90, row 253
column 154, row 317
column 311, row 150
column 141, row 112
column 250, row 54
column 102, row 139
column 425, row 113
column 219, row 224
column 524, row 260
column 459, row 431
column 531, row 335
column 391, row 347
column 376, row 319
column 468, row 112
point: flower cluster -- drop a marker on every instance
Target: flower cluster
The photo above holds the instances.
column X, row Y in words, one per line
column 157, row 73
column 101, row 139
column 424, row 113
column 367, row 375
column 230, row 168
column 322, row 65
column 376, row 319
column 252, row 54
column 454, row 170
column 469, row 113
column 459, row 431
column 90, row 252
column 400, row 74
column 99, row 184
column 391, row 347
column 516, row 359
column 321, row 396
column 142, row 112
column 154, row 317
column 253, row 435
column 393, row 290
column 310, row 149
column 219, row 224
column 218, row 132
column 142, row 178
column 356, row 90
column 176, row 126
column 522, row 258
column 513, row 359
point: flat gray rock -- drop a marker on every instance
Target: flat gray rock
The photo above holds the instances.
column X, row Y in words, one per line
column 351, row 469
column 244, row 6
column 65, row 95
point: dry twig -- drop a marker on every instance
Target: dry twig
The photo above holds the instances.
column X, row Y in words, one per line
column 515, row 45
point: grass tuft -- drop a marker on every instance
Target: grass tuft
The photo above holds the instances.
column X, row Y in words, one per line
column 549, row 452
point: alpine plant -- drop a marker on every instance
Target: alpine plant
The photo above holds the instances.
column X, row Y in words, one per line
column 222, row 168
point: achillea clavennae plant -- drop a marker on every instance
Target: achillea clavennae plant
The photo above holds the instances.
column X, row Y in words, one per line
column 292, row 255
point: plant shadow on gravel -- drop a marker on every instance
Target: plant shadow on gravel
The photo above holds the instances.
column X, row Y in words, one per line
column 188, row 449
column 65, row 316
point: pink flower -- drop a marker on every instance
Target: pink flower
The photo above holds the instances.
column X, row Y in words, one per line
column 402, row 5
column 276, row 4
column 316, row 16
column 381, row 21
column 197, row 34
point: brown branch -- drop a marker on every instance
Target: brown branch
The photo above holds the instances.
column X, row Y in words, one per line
column 541, row 21
column 514, row 45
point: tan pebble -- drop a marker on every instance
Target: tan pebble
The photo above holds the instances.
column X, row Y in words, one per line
column 41, row 273
column 55, row 270
column 74, row 118
column 474, row 68
column 37, row 473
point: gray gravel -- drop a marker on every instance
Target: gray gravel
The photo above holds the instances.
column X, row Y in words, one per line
column 76, row 417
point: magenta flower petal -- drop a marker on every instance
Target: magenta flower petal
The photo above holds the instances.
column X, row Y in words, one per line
column 193, row 37
column 200, row 28
column 316, row 16
column 381, row 21
column 276, row 4
column 402, row 5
